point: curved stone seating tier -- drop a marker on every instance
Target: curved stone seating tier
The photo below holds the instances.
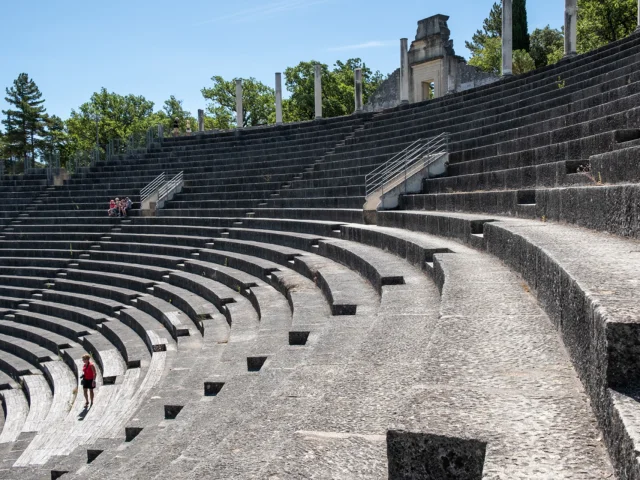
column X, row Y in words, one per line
column 346, row 215
column 15, row 366
column 340, row 286
column 225, row 298
column 174, row 320
column 26, row 350
column 117, row 280
column 45, row 338
column 16, row 409
column 40, row 401
column 6, row 382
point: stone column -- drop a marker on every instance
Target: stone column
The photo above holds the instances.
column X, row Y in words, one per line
column 239, row 113
column 358, row 89
column 200, row 120
column 570, row 27
column 404, row 70
column 638, row 28
column 278, row 98
column 318, row 89
column 507, row 38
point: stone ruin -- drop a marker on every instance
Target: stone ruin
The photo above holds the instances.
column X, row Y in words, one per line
column 434, row 69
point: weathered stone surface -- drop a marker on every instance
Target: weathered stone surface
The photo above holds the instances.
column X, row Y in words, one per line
column 417, row 456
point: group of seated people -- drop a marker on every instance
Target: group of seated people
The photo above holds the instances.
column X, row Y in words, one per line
column 119, row 207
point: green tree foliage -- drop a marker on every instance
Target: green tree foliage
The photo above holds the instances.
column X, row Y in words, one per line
column 491, row 28
column 24, row 119
column 55, row 139
column 338, row 89
column 604, row 21
column 522, row 62
column 488, row 57
column 486, row 44
column 547, row 46
column 258, row 103
column 3, row 145
column 520, row 26
column 118, row 116
column 4, row 155
column 173, row 109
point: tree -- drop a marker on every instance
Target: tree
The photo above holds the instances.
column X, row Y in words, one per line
column 3, row 146
column 258, row 103
column 486, row 44
column 520, row 26
column 55, row 139
column 522, row 62
column 488, row 57
column 491, row 28
column 25, row 118
column 173, row 109
column 546, row 44
column 338, row 90
column 345, row 77
column 110, row 115
column 604, row 21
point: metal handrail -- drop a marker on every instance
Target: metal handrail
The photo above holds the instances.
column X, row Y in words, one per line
column 400, row 163
column 152, row 187
column 168, row 187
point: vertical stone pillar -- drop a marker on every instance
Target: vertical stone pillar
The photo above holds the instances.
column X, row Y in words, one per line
column 318, row 89
column 570, row 27
column 404, row 70
column 507, row 38
column 358, row 89
column 239, row 112
column 200, row 120
column 638, row 28
column 278, row 98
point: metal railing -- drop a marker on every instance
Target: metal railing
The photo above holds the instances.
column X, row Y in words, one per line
column 152, row 188
column 170, row 186
column 425, row 151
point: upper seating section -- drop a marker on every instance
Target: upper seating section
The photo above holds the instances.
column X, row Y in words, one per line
column 507, row 140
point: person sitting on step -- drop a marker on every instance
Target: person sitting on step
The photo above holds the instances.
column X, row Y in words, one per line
column 123, row 207
column 117, row 208
column 88, row 379
column 129, row 204
column 112, row 208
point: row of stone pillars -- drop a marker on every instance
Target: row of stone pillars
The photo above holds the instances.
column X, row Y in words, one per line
column 317, row 71
column 570, row 32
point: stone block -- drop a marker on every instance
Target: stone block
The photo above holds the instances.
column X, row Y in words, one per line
column 423, row 456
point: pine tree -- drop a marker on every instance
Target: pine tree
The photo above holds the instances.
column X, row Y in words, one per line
column 25, row 118
column 520, row 25
column 491, row 28
column 54, row 139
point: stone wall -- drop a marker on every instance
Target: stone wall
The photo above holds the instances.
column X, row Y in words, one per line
column 471, row 77
column 387, row 95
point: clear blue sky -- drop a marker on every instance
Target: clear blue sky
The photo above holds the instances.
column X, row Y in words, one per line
column 158, row 48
